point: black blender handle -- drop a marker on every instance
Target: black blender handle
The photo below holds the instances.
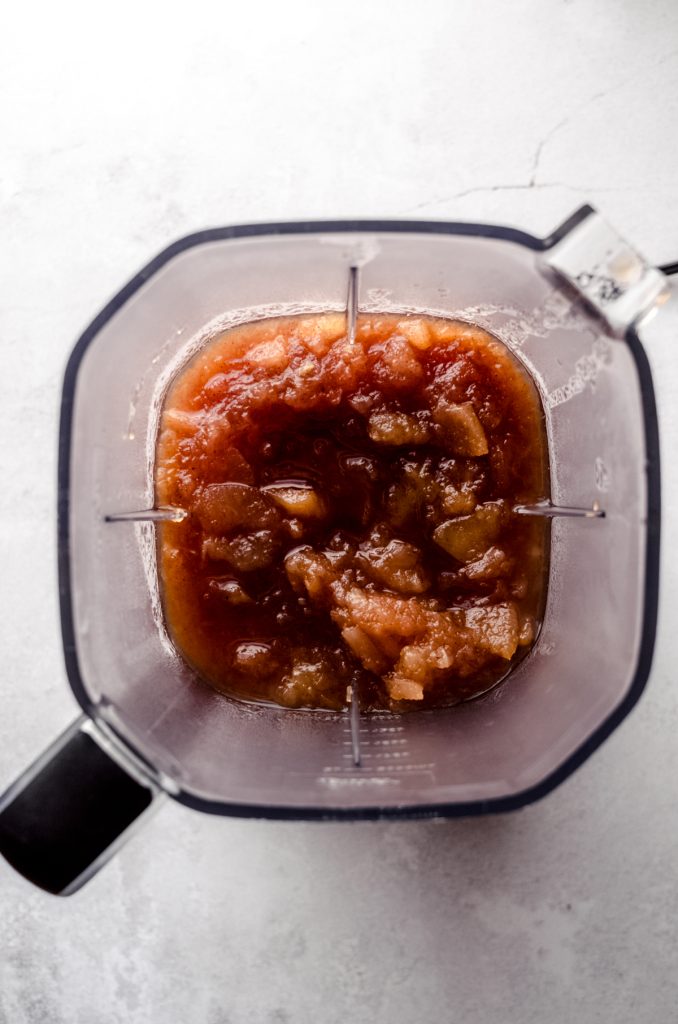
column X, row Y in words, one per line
column 64, row 817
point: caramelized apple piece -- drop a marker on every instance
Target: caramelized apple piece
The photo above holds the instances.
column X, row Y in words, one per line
column 308, row 572
column 312, row 677
column 417, row 333
column 182, row 421
column 320, row 332
column 365, row 649
column 395, row 367
column 461, row 427
column 492, row 563
column 400, row 688
column 421, row 661
column 397, row 428
column 246, row 553
column 270, row 355
column 468, row 537
column 456, row 501
column 415, row 488
column 387, row 619
column 494, row 628
column 222, row 508
column 299, row 500
column 395, row 563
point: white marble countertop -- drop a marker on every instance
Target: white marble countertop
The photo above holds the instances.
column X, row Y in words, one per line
column 124, row 127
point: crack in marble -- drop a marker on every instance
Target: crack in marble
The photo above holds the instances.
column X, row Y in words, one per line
column 532, row 182
column 536, row 160
column 515, row 187
column 598, row 95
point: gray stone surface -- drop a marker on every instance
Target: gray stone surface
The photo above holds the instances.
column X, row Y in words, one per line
column 122, row 128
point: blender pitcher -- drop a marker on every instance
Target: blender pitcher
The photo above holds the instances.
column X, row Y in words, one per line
column 568, row 307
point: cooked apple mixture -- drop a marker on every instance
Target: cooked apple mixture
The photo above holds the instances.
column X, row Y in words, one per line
column 350, row 516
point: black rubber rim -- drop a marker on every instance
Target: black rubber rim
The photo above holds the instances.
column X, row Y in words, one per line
column 451, row 809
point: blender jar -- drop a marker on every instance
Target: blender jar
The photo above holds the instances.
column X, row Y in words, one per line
column 567, row 306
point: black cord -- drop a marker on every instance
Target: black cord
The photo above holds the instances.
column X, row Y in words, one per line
column 669, row 268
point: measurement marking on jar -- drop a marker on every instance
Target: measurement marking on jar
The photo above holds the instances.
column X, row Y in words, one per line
column 380, row 743
column 369, row 731
column 380, row 769
column 332, row 781
column 383, row 754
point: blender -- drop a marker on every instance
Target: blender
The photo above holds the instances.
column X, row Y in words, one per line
column 571, row 307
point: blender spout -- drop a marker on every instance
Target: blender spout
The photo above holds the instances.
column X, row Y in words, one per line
column 606, row 272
